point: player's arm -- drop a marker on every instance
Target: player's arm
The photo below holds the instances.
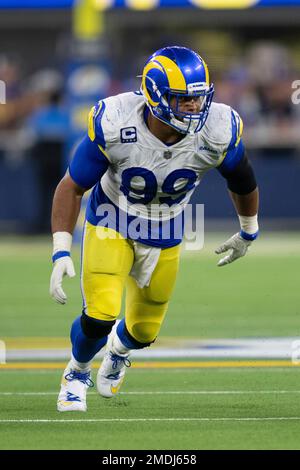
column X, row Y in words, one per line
column 86, row 168
column 238, row 172
column 66, row 205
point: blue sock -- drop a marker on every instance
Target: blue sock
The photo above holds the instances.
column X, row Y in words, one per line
column 127, row 339
column 84, row 348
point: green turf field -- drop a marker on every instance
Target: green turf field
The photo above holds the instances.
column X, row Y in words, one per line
column 211, row 409
column 255, row 297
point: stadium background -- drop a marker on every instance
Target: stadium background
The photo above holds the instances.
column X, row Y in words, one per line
column 227, row 329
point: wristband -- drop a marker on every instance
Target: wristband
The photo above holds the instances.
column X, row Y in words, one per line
column 60, row 254
column 248, row 236
column 62, row 241
column 249, row 226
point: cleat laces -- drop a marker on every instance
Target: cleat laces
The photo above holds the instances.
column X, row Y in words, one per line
column 83, row 377
column 117, row 361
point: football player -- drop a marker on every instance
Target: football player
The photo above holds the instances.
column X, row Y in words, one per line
column 144, row 154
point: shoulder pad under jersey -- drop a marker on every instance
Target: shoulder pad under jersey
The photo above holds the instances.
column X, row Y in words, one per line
column 223, row 129
column 109, row 116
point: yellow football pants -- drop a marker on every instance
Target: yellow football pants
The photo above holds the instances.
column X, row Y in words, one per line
column 106, row 264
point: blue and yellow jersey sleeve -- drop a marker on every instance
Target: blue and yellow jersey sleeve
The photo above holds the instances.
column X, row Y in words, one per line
column 91, row 160
column 103, row 124
column 95, row 129
column 88, row 164
column 235, row 150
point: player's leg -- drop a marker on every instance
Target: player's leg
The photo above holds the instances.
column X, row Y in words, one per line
column 106, row 263
column 146, row 308
column 145, row 312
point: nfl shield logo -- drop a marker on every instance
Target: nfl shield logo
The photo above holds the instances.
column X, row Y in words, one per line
column 167, row 154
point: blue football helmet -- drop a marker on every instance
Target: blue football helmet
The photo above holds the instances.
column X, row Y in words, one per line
column 170, row 75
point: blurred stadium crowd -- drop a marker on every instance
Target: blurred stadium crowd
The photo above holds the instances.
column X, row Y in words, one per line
column 255, row 77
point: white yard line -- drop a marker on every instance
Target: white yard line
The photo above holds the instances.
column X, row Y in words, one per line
column 130, row 420
column 170, row 392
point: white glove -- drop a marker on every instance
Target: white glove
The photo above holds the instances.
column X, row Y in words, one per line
column 238, row 246
column 62, row 266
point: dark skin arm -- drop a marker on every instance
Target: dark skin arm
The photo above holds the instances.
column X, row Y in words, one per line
column 66, row 205
column 246, row 204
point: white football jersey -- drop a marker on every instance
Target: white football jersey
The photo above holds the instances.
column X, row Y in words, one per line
column 146, row 177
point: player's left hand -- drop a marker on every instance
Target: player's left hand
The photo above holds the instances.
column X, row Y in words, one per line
column 238, row 246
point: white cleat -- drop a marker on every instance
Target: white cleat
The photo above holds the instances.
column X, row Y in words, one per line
column 112, row 370
column 74, row 385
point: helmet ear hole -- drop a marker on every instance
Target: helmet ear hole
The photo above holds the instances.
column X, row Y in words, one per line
column 203, row 101
column 165, row 99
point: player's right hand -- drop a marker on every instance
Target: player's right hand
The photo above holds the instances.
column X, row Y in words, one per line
column 62, row 267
